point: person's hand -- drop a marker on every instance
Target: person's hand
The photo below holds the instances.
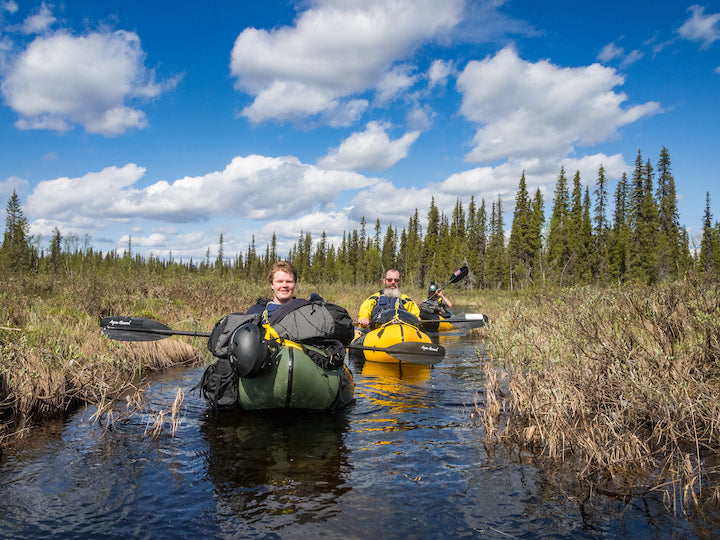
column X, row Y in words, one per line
column 364, row 322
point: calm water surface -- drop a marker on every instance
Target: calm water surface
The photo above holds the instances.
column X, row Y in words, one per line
column 406, row 460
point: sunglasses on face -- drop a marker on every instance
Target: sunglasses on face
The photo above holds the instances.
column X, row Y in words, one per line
column 392, row 280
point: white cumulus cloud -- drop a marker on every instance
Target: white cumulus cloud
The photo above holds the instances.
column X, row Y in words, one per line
column 335, row 50
column 439, row 72
column 251, row 187
column 369, row 150
column 61, row 80
column 40, row 21
column 10, row 6
column 611, row 52
column 540, row 109
column 13, row 183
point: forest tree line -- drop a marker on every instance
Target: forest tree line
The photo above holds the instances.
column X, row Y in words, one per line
column 592, row 236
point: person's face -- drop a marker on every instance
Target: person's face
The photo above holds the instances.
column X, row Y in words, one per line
column 392, row 280
column 283, row 286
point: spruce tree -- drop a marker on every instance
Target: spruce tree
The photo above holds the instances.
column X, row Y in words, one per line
column 643, row 224
column 520, row 249
column 708, row 244
column 252, row 268
column 578, row 254
column 219, row 262
column 472, row 243
column 373, row 263
column 55, row 250
column 330, row 274
column 320, row 272
column 15, row 252
column 430, row 243
column 601, row 263
column 645, row 239
column 635, row 193
column 620, row 234
column 558, row 248
column 408, row 243
column 389, row 249
column 586, row 238
column 496, row 253
column 443, row 259
column 482, row 236
column 536, row 236
column 272, row 257
column 669, row 240
column 458, row 238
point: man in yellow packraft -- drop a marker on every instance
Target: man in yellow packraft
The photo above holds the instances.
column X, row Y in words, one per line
column 386, row 298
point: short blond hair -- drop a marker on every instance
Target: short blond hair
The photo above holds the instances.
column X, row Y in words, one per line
column 283, row 266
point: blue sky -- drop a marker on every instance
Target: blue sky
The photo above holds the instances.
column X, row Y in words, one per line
column 176, row 122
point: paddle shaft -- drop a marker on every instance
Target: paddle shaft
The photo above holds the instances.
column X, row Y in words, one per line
column 423, row 349
column 167, row 333
column 469, row 317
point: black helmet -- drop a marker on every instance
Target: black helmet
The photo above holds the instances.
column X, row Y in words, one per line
column 433, row 287
column 249, row 353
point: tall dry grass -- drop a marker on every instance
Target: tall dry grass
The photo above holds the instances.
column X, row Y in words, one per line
column 53, row 358
column 620, row 386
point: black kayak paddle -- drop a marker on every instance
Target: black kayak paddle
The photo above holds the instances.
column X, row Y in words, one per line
column 137, row 329
column 412, row 352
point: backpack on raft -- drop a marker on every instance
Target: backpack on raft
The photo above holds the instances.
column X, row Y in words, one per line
column 430, row 312
column 310, row 321
column 219, row 385
column 321, row 328
column 245, row 348
column 237, row 342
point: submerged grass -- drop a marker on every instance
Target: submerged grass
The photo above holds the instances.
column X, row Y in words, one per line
column 619, row 386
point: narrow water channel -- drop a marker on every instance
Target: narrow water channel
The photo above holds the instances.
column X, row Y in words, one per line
column 406, row 460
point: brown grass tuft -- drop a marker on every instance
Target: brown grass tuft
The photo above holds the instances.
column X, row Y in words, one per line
column 620, row 386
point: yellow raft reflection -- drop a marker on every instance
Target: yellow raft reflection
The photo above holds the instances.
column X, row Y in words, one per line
column 398, row 388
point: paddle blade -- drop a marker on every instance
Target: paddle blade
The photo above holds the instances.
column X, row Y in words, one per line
column 459, row 274
column 412, row 352
column 465, row 321
column 416, row 352
column 133, row 329
column 469, row 320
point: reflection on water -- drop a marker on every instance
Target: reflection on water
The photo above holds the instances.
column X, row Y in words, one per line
column 396, row 390
column 266, row 465
column 399, row 387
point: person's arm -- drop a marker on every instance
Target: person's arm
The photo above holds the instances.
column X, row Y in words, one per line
column 446, row 301
column 365, row 311
column 412, row 307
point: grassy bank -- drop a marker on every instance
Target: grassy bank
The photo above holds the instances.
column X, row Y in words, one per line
column 620, row 387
